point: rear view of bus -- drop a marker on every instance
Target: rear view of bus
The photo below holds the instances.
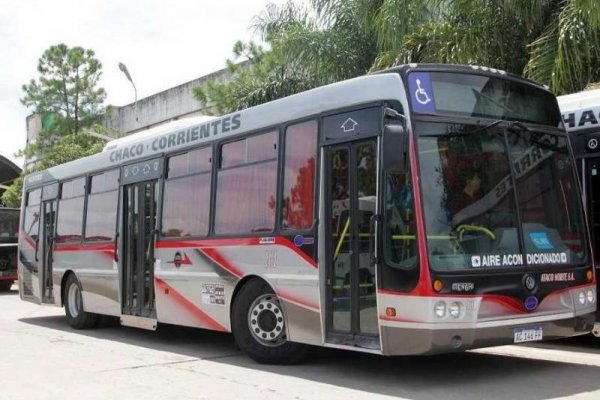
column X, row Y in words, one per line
column 504, row 255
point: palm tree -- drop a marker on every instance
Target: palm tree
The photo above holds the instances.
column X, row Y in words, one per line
column 553, row 42
column 550, row 41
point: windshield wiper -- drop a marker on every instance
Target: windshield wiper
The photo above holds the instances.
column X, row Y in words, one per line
column 534, row 136
column 476, row 130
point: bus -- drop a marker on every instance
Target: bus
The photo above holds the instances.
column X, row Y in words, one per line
column 9, row 234
column 581, row 116
column 424, row 209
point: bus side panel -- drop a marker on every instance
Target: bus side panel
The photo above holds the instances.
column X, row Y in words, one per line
column 96, row 271
column 199, row 291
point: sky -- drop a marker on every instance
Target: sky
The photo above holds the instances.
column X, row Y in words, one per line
column 162, row 43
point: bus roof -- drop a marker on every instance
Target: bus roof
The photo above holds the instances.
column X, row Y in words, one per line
column 189, row 132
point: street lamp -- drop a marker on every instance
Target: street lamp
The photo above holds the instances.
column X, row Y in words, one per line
column 123, row 69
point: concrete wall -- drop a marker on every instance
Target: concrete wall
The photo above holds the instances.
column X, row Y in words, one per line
column 162, row 107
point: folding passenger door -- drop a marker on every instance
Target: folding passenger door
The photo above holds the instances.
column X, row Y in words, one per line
column 45, row 245
column 351, row 172
column 139, row 205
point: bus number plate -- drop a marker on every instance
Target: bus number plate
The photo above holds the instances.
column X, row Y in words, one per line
column 529, row 334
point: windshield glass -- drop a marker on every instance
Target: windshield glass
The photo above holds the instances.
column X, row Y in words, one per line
column 451, row 93
column 475, row 219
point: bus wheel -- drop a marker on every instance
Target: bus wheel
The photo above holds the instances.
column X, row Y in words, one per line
column 258, row 325
column 76, row 317
column 5, row 286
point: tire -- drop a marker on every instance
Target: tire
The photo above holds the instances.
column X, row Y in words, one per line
column 76, row 317
column 5, row 286
column 258, row 325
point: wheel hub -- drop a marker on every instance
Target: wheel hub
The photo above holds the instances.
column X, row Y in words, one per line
column 265, row 320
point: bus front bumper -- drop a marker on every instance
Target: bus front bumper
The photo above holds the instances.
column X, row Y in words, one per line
column 407, row 341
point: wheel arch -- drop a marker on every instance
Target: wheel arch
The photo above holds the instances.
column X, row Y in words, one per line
column 241, row 283
column 63, row 283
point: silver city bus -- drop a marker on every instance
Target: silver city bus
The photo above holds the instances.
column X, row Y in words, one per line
column 424, row 209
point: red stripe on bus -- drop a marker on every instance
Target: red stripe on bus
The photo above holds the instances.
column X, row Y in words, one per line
column 28, row 240
column 220, row 260
column 170, row 244
column 254, row 241
column 423, row 287
column 200, row 315
column 85, row 247
column 286, row 243
column 108, row 249
column 397, row 319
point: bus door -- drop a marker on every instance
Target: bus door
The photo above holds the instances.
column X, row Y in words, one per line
column 350, row 212
column 47, row 241
column 592, row 170
column 138, row 234
column 47, row 230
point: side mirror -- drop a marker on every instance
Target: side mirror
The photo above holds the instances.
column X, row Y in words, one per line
column 395, row 146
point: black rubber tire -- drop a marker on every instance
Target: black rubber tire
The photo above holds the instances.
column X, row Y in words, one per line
column 79, row 319
column 5, row 286
column 282, row 353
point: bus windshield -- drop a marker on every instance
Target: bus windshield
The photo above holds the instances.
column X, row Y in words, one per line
column 481, row 213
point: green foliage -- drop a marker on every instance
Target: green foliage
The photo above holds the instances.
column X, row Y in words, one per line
column 553, row 42
column 70, row 103
column 64, row 149
column 305, row 51
column 12, row 196
column 67, row 89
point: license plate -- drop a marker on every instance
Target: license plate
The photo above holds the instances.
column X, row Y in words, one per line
column 529, row 334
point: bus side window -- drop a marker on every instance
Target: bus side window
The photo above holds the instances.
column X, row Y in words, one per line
column 297, row 205
column 247, row 185
column 69, row 224
column 32, row 213
column 188, row 182
column 101, row 213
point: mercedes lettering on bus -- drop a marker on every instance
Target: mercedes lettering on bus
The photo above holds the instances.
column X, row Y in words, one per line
column 424, row 209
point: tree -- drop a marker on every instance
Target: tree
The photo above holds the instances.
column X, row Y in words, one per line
column 307, row 48
column 67, row 148
column 69, row 100
column 67, row 89
column 551, row 42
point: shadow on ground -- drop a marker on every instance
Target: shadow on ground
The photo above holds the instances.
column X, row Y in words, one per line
column 453, row 376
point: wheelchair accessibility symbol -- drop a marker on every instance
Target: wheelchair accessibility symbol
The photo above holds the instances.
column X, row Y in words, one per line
column 421, row 94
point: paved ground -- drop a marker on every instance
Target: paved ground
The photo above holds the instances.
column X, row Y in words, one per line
column 42, row 358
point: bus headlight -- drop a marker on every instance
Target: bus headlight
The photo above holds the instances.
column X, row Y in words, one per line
column 440, row 309
column 582, row 297
column 590, row 296
column 455, row 310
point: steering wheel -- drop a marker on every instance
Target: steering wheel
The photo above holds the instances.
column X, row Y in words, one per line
column 461, row 229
